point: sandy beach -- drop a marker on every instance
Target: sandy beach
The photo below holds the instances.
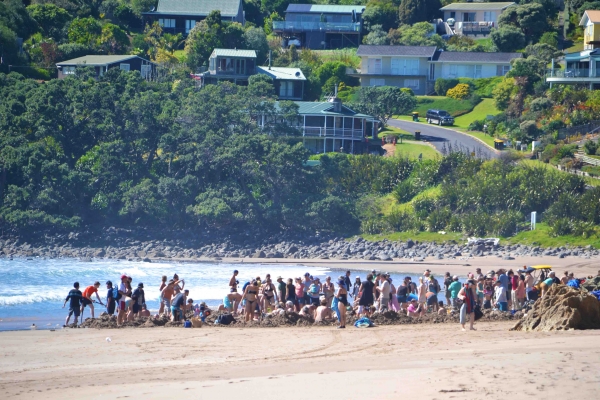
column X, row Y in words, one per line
column 422, row 362
column 427, row 361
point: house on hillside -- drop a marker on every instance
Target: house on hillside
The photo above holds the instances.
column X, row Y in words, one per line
column 591, row 29
column 180, row 16
column 288, row 82
column 401, row 66
column 103, row 63
column 417, row 67
column 331, row 127
column 582, row 67
column 230, row 65
column 237, row 66
column 316, row 26
column 463, row 64
column 473, row 18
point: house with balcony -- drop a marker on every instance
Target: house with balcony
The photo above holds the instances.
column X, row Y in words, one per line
column 473, row 18
column 463, row 64
column 417, row 67
column 331, row 127
column 180, row 16
column 581, row 68
column 317, row 26
column 102, row 64
column 231, row 65
column 401, row 66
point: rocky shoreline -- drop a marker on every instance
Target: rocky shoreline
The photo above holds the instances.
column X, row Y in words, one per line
column 122, row 244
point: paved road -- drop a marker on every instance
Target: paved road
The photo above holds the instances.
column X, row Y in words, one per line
column 444, row 138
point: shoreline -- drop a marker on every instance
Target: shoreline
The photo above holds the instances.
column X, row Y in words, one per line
column 443, row 362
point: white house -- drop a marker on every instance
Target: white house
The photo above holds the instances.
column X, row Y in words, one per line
column 474, row 18
column 417, row 67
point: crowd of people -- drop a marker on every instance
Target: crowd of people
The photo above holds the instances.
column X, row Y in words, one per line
column 329, row 299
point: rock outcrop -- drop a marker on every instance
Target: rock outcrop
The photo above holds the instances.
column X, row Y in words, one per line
column 562, row 308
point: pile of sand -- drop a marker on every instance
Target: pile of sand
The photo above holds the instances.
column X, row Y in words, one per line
column 592, row 284
column 562, row 308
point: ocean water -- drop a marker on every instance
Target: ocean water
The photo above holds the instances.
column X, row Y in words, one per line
column 33, row 291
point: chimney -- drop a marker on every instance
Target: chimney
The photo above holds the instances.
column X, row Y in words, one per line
column 337, row 103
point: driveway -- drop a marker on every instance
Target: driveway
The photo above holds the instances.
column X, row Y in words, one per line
column 445, row 139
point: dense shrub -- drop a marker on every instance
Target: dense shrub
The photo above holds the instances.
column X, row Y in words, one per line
column 443, row 85
column 459, row 92
column 590, row 147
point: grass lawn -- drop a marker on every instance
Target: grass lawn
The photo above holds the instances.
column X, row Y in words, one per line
column 575, row 47
column 481, row 111
column 420, row 236
column 397, row 132
column 180, row 54
column 541, row 237
column 454, row 107
column 412, row 149
column 346, row 56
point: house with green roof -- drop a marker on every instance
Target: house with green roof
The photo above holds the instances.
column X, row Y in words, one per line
column 330, row 126
column 473, row 18
column 180, row 16
column 102, row 64
column 321, row 26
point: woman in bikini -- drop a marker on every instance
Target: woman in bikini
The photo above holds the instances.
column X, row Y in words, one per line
column 251, row 297
column 342, row 296
column 328, row 290
column 268, row 291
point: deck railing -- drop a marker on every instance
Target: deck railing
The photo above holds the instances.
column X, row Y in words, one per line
column 302, row 26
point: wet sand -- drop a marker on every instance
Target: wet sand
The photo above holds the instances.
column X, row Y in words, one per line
column 418, row 362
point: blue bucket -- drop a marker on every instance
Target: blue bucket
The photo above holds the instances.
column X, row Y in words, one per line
column 187, row 324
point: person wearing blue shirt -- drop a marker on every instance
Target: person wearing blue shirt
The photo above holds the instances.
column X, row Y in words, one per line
column 74, row 297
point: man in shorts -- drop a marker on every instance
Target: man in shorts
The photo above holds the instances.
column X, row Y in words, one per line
column 139, row 299
column 384, row 293
column 122, row 306
column 86, row 300
column 110, row 300
column 74, row 298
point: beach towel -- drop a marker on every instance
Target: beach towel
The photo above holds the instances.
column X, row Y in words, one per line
column 363, row 322
column 334, row 307
column 412, row 296
column 596, row 293
column 573, row 283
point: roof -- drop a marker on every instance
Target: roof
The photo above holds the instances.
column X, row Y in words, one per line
column 234, row 53
column 283, row 73
column 415, row 51
column 479, row 57
column 320, row 8
column 476, row 6
column 98, row 60
column 325, row 108
column 591, row 15
column 228, row 8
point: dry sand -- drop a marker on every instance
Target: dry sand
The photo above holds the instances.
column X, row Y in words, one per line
column 418, row 362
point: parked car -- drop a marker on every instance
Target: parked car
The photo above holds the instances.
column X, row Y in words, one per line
column 439, row 117
column 294, row 41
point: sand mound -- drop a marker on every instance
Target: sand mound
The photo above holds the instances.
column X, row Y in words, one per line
column 562, row 308
column 592, row 284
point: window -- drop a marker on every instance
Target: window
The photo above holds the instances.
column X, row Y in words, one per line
column 377, row 82
column 411, row 84
column 189, row 25
column 286, row 89
column 124, row 67
column 489, row 16
column 68, row 70
column 477, row 71
column 505, row 69
column 396, row 66
column 453, row 71
column 166, row 23
column 374, row 65
column 146, row 71
column 411, row 67
column 453, row 14
column 469, row 17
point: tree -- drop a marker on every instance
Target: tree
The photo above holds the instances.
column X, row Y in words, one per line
column 50, row 18
column 381, row 12
column 384, row 102
column 84, row 31
column 261, row 85
column 413, row 11
column 256, row 39
column 113, row 39
column 376, row 36
column 503, row 93
column 549, row 38
column 140, row 6
column 420, row 34
column 200, row 43
column 530, row 18
column 507, row 38
column 268, row 22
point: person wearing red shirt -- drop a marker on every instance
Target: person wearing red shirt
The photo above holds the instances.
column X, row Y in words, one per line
column 87, row 298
